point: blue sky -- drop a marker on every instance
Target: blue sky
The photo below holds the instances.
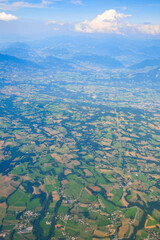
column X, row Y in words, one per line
column 48, row 17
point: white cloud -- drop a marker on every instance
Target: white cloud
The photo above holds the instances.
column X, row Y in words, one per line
column 51, row 22
column 112, row 22
column 56, row 29
column 108, row 22
column 7, row 17
column 149, row 29
column 7, row 5
column 55, row 23
column 77, row 2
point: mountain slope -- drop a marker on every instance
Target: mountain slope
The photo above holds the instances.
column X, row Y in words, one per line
column 95, row 59
column 8, row 60
column 146, row 63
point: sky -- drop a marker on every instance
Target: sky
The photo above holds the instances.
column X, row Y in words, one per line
column 44, row 18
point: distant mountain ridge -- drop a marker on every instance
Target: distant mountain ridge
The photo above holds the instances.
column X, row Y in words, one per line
column 20, row 50
column 14, row 61
column 105, row 61
column 152, row 76
column 146, row 63
column 53, row 61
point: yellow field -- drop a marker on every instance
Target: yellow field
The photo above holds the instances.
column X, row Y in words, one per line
column 55, row 196
column 67, row 171
column 100, row 234
column 123, row 200
column 124, row 228
column 87, row 173
column 7, row 186
column 105, row 171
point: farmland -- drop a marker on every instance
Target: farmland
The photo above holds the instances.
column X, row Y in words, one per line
column 79, row 160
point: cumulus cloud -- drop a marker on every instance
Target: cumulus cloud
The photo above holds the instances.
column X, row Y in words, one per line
column 108, row 22
column 7, row 17
column 149, row 29
column 112, row 22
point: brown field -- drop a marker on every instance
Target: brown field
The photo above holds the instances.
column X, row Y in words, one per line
column 139, row 232
column 133, row 154
column 154, row 127
column 7, row 186
column 108, row 123
column 111, row 155
column 155, row 189
column 124, row 228
column 88, row 191
column 95, row 188
column 84, row 205
column 25, row 102
column 83, row 153
column 146, row 222
column 107, row 148
column 105, row 143
column 51, row 131
column 106, row 171
column 64, row 182
column 73, row 163
column 18, row 136
column 77, row 134
column 57, row 121
column 155, row 176
column 42, row 187
column 3, row 205
column 56, row 156
column 123, row 200
column 101, row 203
column 127, row 153
column 144, row 147
column 100, row 234
column 141, row 196
column 60, row 227
column 25, row 178
column 134, row 135
column 87, row 173
column 52, row 147
column 55, row 196
column 125, row 138
column 107, row 140
column 143, row 143
column 99, row 159
column 36, row 190
column 65, row 158
column 102, row 239
column 151, row 217
column 67, row 171
column 142, row 157
column 110, row 195
column 109, row 189
column 136, row 184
